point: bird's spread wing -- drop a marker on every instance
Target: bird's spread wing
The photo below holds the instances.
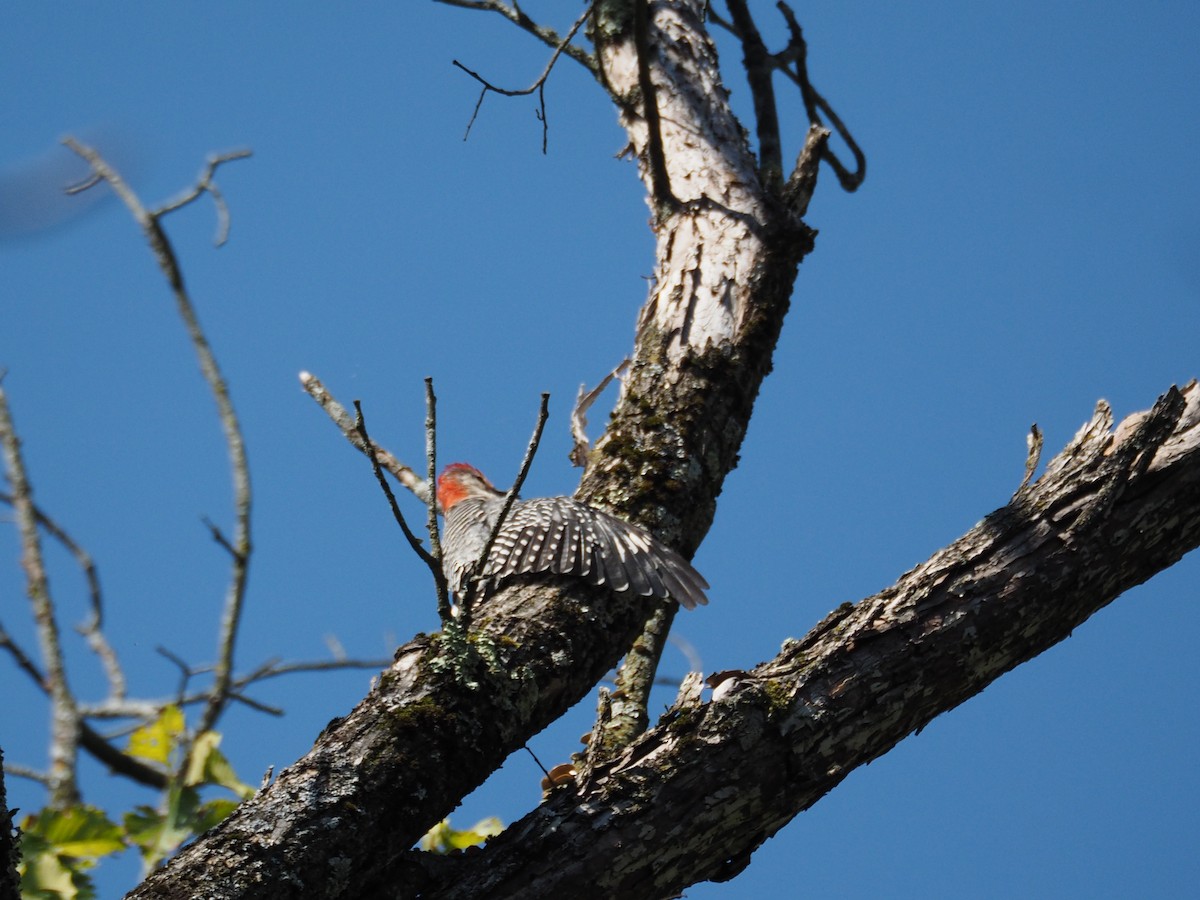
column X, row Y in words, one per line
column 558, row 535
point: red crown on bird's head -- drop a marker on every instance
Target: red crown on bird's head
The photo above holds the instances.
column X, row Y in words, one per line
column 456, row 483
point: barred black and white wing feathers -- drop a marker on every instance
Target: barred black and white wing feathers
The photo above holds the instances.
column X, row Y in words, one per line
column 559, row 535
column 554, row 534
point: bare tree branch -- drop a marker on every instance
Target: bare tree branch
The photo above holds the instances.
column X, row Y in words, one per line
column 205, row 184
column 240, row 547
column 465, row 603
column 431, row 504
column 360, row 423
column 345, row 423
column 797, row 54
column 23, row 660
column 539, row 85
column 92, row 629
column 758, row 72
column 792, row 61
column 721, row 776
column 547, row 36
column 64, row 733
column 581, row 445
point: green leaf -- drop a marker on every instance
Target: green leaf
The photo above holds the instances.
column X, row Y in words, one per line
column 48, row 877
column 441, row 838
column 58, row 846
column 78, row 831
column 158, row 834
column 158, row 740
column 208, row 765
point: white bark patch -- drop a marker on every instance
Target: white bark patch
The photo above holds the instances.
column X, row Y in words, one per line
column 707, row 249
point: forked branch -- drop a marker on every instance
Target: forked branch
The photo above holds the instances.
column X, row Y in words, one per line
column 239, row 545
column 539, row 85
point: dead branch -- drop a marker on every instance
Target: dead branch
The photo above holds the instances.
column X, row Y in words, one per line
column 240, row 547
column 539, row 85
column 64, row 731
column 757, row 63
column 360, row 424
column 345, row 423
column 465, row 602
column 92, row 629
column 431, row 504
column 580, row 442
column 547, row 36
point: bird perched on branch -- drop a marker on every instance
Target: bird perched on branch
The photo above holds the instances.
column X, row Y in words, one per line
column 557, row 535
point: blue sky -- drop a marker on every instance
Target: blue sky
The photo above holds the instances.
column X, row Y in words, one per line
column 1025, row 243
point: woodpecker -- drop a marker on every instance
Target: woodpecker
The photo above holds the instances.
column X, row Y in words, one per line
column 557, row 535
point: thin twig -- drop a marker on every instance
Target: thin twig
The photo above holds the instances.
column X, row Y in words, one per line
column 24, row 662
column 119, row 762
column 792, row 61
column 466, row 601
column 1034, row 440
column 537, row 761
column 64, row 743
column 219, row 536
column 539, row 85
column 546, row 35
column 92, row 629
column 186, row 672
column 796, row 52
column 240, row 546
column 20, row 771
column 345, row 423
column 328, row 665
column 413, row 540
column 581, row 444
column 147, row 710
column 205, row 184
column 431, row 504
column 256, row 705
column 757, row 63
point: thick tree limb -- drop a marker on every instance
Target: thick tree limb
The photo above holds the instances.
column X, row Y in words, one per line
column 716, row 779
column 719, row 777
column 341, row 821
column 439, row 722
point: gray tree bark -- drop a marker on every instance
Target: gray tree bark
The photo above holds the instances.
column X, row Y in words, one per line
column 693, row 797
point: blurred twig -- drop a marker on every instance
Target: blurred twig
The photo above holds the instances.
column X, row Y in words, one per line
column 92, row 629
column 64, row 740
column 239, row 546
